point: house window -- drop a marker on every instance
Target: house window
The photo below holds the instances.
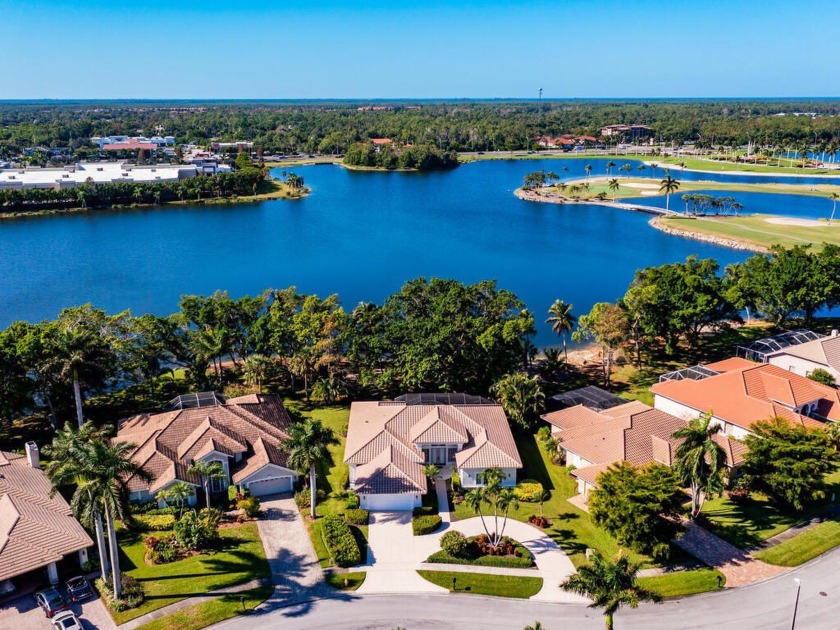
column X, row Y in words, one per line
column 451, row 453
column 218, row 485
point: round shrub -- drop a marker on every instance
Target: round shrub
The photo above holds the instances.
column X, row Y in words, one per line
column 425, row 524
column 357, row 517
column 154, row 522
column 454, row 543
column 250, row 506
column 352, row 501
column 528, row 491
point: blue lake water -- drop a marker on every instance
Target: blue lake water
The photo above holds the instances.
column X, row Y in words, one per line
column 361, row 235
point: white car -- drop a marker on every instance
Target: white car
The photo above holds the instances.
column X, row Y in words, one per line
column 66, row 620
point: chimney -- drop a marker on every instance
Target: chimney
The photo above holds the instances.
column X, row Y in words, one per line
column 834, row 332
column 32, row 455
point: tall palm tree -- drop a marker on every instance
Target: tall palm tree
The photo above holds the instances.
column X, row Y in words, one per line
column 109, row 467
column 699, row 460
column 71, row 343
column 308, row 445
column 66, row 467
column 834, row 197
column 207, row 471
column 588, row 169
column 609, row 584
column 562, row 321
column 668, row 185
column 614, row 186
column 610, row 166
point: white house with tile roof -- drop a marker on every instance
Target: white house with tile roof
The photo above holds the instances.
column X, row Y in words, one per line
column 389, row 443
column 804, row 358
column 243, row 434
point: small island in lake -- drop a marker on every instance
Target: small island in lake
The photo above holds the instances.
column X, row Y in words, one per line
column 387, row 155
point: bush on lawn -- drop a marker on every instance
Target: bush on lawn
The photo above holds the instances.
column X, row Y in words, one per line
column 132, row 594
column 198, row 530
column 455, row 544
column 340, row 541
column 357, row 516
column 425, row 524
column 538, row 521
column 352, row 501
column 477, row 552
column 528, row 491
column 154, row 522
column 304, row 497
column 250, row 506
column 162, row 550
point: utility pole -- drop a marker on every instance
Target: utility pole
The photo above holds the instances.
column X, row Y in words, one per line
column 796, row 603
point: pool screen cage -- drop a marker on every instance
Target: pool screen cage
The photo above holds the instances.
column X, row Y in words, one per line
column 760, row 349
column 693, row 373
column 193, row 401
column 443, row 398
column 592, row 397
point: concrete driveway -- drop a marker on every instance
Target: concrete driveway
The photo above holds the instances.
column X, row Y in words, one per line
column 23, row 613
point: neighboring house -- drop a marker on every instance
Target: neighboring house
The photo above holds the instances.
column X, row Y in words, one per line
column 634, row 432
column 803, row 359
column 37, row 527
column 389, row 443
column 590, row 396
column 740, row 393
column 243, row 434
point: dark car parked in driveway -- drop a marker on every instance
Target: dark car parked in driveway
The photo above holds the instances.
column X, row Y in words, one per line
column 50, row 601
column 78, row 588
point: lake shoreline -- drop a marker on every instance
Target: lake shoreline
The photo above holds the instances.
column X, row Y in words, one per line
column 282, row 192
column 731, row 243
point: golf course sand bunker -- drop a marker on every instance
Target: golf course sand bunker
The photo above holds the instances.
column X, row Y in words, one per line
column 641, row 186
column 799, row 222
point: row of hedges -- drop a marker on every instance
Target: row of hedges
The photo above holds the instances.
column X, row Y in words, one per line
column 425, row 520
column 357, row 516
column 340, row 541
column 511, row 562
column 153, row 522
column 458, row 549
column 132, row 593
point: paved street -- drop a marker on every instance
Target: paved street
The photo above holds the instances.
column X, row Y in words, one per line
column 765, row 606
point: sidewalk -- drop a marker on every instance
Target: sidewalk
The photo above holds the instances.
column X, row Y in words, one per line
column 443, row 500
column 797, row 529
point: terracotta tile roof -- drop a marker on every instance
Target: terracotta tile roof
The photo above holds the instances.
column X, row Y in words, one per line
column 35, row 528
column 730, row 364
column 753, row 392
column 590, row 473
column 573, row 417
column 395, row 427
column 167, row 443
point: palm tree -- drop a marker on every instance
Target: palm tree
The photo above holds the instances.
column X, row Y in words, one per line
column 626, row 168
column 206, row 471
column 72, row 342
column 256, row 369
column 308, row 445
column 519, row 395
column 493, row 494
column 562, row 321
column 834, row 197
column 699, row 460
column 610, row 166
column 609, row 584
column 108, row 467
column 430, row 472
column 588, row 169
column 668, row 186
column 534, row 626
column 614, row 186
column 178, row 493
column 67, row 467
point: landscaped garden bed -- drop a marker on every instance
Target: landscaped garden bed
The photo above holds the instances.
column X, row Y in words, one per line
column 346, row 581
column 477, row 550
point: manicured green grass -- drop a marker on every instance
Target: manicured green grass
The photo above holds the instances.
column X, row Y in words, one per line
column 681, row 583
column 755, row 230
column 701, row 164
column 805, row 546
column 210, row 612
column 748, row 523
column 346, row 581
column 479, row 584
column 239, row 558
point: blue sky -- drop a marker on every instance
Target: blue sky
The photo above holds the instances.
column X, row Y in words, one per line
column 419, row 49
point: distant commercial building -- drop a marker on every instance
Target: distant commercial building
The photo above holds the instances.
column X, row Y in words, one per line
column 630, row 132
column 130, row 143
column 98, row 172
column 240, row 145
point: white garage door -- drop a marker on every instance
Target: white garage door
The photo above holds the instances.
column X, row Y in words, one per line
column 387, row 502
column 270, row 486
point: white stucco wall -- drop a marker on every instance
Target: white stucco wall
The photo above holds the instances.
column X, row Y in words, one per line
column 469, row 477
column 689, row 413
column 800, row 366
column 573, row 459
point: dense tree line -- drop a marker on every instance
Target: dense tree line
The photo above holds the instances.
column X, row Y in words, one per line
column 90, row 194
column 420, row 157
column 438, row 335
column 333, row 126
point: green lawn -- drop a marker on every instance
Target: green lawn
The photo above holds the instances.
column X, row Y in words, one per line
column 804, row 546
column 478, row 584
column 346, row 581
column 210, row 612
column 755, row 230
column 681, row 583
column 748, row 523
column 239, row 558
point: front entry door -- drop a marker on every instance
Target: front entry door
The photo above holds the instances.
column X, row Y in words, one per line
column 438, row 455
